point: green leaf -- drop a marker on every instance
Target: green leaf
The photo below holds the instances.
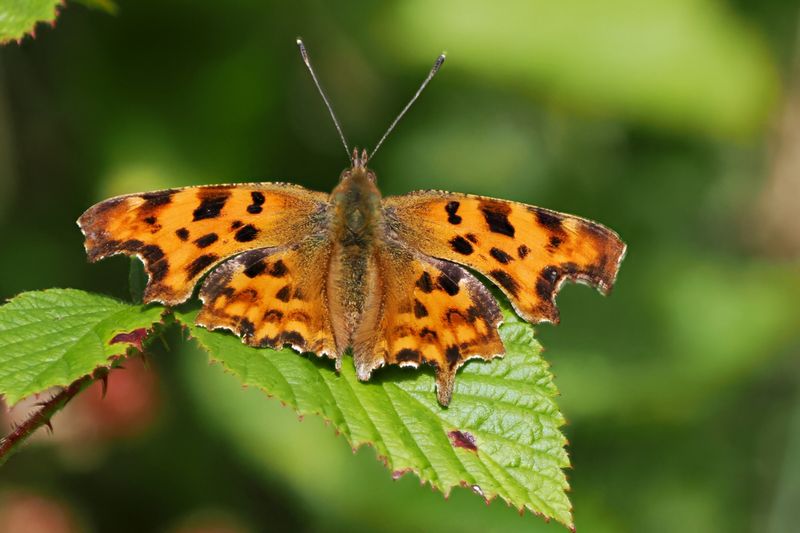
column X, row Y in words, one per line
column 53, row 337
column 507, row 406
column 19, row 17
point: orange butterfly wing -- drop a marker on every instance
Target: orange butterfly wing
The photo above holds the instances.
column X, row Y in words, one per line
column 273, row 296
column 426, row 311
column 527, row 251
column 180, row 234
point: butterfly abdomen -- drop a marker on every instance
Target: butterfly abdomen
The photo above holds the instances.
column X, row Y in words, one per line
column 356, row 227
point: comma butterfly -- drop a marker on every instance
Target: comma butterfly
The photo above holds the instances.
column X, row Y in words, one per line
column 382, row 276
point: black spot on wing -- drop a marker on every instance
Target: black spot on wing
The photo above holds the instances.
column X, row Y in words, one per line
column 182, row 233
column 278, row 269
column 255, row 269
column 500, row 256
column 158, row 198
column 420, row 311
column 453, row 355
column 548, row 219
column 523, row 251
column 472, row 238
column 428, row 334
column 506, row 281
column 448, row 285
column 461, row 245
column 246, row 328
column 246, row 234
column 258, row 201
column 452, row 208
column 236, row 224
column 425, row 283
column 131, row 245
column 554, row 243
column 284, row 294
column 294, row 338
column 150, row 220
column 449, row 278
column 200, row 264
column 546, row 283
column 211, row 206
column 496, row 216
column 273, row 315
column 299, row 316
column 158, row 266
column 407, row 355
column 206, row 240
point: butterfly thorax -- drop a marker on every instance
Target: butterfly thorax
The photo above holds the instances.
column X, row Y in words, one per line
column 356, row 228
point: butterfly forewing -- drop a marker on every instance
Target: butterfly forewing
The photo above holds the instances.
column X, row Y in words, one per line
column 527, row 251
column 180, row 234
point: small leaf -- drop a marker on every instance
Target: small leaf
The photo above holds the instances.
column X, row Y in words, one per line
column 19, row 18
column 500, row 435
column 54, row 337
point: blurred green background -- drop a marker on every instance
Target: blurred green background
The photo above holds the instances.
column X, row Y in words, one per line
column 674, row 122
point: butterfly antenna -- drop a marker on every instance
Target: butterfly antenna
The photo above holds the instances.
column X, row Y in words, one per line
column 307, row 61
column 436, row 66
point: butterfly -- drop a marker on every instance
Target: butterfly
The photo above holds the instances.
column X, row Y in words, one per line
column 388, row 278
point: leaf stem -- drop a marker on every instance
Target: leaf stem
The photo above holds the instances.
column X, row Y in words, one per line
column 14, row 440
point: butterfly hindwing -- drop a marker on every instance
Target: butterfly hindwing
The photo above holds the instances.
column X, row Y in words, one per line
column 429, row 311
column 180, row 234
column 273, row 297
column 527, row 251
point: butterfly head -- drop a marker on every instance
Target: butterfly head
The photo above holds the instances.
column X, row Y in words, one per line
column 358, row 170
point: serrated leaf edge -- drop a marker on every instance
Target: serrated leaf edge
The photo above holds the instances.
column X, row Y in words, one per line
column 444, row 489
column 31, row 32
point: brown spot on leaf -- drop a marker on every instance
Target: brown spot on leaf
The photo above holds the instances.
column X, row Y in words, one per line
column 463, row 439
column 134, row 338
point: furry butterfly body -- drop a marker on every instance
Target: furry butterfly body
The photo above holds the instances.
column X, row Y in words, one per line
column 384, row 277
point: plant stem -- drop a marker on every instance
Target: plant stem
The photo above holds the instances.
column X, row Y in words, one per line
column 12, row 442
